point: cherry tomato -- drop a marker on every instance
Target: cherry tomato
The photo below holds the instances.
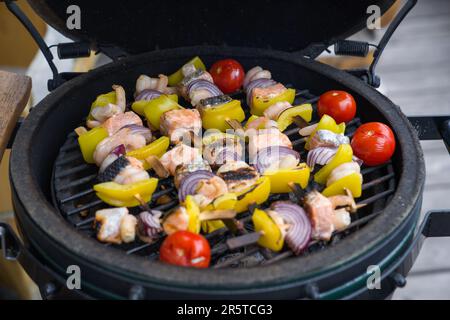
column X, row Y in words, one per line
column 339, row 105
column 184, row 248
column 228, row 75
column 373, row 143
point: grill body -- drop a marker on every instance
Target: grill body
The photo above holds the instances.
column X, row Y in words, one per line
column 338, row 271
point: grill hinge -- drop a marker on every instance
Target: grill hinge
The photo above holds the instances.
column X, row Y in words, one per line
column 65, row 50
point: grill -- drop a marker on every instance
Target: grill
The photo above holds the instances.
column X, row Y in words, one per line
column 73, row 195
column 52, row 186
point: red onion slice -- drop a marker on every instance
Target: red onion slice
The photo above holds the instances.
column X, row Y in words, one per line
column 119, row 150
column 323, row 155
column 298, row 235
column 148, row 94
column 267, row 156
column 137, row 129
column 204, row 84
column 149, row 225
column 188, row 184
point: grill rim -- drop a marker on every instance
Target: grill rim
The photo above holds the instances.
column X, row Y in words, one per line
column 45, row 217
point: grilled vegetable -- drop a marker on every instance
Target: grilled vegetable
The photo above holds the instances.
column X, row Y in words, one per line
column 176, row 77
column 193, row 212
column 257, row 194
column 89, row 141
column 215, row 117
column 189, row 184
column 157, row 107
column 298, row 235
column 139, row 105
column 344, row 154
column 211, row 226
column 347, row 176
column 149, row 226
column 325, row 123
column 187, row 249
column 374, row 143
column 286, row 118
column 261, row 103
column 339, row 105
column 271, row 235
column 281, row 178
column 102, row 101
column 156, row 148
column 124, row 195
column 228, row 75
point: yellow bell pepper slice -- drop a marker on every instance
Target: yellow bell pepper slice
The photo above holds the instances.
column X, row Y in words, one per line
column 139, row 106
column 157, row 107
column 259, row 105
column 216, row 117
column 127, row 192
column 156, row 148
column 352, row 182
column 102, row 101
column 225, row 202
column 271, row 236
column 193, row 212
column 286, row 118
column 88, row 142
column 326, row 123
column 123, row 203
column 212, row 225
column 280, row 179
column 344, row 154
column 218, row 136
column 256, row 194
column 176, row 77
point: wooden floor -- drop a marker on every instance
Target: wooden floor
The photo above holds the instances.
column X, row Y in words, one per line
column 415, row 71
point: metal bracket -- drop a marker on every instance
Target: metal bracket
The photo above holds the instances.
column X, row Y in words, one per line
column 432, row 128
column 9, row 242
column 58, row 78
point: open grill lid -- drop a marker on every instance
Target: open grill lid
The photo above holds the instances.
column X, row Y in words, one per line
column 141, row 26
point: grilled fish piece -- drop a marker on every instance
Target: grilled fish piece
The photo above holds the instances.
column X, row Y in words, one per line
column 115, row 225
column 176, row 124
column 181, row 154
column 238, row 175
column 321, row 214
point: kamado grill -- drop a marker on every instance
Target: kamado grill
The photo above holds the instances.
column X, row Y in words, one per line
column 52, row 185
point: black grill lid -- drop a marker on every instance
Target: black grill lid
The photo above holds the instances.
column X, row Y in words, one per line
column 137, row 26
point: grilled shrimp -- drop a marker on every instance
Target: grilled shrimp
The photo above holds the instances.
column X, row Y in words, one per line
column 208, row 190
column 256, row 73
column 124, row 136
column 265, row 138
column 274, row 111
column 160, row 84
column 117, row 122
column 178, row 220
column 101, row 114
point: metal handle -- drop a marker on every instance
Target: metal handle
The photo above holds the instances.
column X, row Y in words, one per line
column 432, row 128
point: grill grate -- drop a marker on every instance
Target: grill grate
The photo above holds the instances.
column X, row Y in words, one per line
column 75, row 199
